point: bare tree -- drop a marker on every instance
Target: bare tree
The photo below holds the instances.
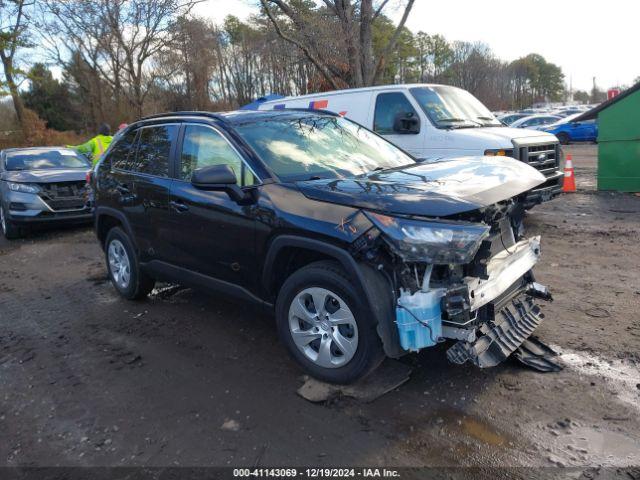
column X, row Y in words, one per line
column 14, row 24
column 119, row 38
column 355, row 21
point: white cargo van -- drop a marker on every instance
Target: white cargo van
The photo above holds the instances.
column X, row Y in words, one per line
column 438, row 121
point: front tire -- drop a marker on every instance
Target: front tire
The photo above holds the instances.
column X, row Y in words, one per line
column 9, row 229
column 326, row 326
column 124, row 268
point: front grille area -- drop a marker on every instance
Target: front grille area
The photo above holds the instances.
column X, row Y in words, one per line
column 545, row 158
column 64, row 195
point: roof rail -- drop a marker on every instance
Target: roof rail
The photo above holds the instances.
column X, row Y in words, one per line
column 185, row 113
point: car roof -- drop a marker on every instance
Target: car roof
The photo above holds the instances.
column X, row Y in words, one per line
column 234, row 117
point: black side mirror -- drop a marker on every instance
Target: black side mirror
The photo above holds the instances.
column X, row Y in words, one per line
column 406, row 123
column 219, row 177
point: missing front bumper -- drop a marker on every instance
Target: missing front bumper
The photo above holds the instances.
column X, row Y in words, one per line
column 512, row 325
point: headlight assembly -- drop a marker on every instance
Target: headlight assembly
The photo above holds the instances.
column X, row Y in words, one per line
column 436, row 242
column 23, row 187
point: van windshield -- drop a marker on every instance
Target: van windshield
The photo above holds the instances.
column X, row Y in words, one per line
column 449, row 107
column 310, row 147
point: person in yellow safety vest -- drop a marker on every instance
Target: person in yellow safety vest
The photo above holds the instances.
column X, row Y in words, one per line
column 96, row 147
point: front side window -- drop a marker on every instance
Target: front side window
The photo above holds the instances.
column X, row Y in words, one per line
column 449, row 107
column 306, row 147
column 205, row 147
column 154, row 150
column 44, row 159
column 388, row 107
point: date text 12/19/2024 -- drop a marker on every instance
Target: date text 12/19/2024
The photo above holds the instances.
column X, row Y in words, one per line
column 315, row 473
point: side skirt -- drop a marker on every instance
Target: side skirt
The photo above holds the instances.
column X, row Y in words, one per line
column 172, row 273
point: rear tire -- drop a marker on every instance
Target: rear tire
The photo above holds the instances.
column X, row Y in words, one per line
column 563, row 138
column 336, row 342
column 9, row 229
column 124, row 267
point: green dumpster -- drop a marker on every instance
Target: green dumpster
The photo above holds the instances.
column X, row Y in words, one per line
column 618, row 141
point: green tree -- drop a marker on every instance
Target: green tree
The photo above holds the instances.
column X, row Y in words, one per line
column 50, row 99
column 400, row 60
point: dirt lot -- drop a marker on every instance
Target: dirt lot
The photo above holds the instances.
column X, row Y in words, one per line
column 186, row 378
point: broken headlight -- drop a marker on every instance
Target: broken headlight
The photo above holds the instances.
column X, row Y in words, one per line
column 435, row 242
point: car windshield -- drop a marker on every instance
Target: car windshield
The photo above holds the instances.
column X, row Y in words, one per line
column 449, row 107
column 308, row 147
column 39, row 159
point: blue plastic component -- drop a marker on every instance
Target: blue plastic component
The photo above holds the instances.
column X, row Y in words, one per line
column 419, row 320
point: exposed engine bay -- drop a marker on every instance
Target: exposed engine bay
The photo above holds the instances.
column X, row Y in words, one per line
column 466, row 278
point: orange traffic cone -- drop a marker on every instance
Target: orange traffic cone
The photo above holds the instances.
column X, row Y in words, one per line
column 569, row 184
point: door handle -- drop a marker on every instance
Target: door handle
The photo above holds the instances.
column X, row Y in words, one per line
column 178, row 206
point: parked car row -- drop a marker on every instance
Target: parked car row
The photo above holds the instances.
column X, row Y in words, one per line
column 558, row 121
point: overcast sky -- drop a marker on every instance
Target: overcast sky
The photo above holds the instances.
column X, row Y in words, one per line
column 587, row 38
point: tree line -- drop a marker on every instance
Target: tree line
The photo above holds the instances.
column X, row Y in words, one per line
column 117, row 60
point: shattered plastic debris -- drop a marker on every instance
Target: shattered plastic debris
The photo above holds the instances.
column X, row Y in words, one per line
column 389, row 376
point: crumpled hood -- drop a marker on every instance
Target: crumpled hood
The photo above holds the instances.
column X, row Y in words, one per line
column 435, row 189
column 45, row 176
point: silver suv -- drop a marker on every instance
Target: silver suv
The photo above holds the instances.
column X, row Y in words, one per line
column 41, row 185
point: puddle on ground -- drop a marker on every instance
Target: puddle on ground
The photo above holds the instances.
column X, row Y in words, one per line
column 621, row 377
column 482, row 432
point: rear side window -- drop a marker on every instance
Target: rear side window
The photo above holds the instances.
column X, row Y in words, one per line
column 388, row 106
column 154, row 150
column 204, row 147
column 121, row 151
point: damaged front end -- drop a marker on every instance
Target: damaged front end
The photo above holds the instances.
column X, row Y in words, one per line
column 466, row 278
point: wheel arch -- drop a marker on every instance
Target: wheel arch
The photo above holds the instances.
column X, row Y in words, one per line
column 107, row 218
column 369, row 283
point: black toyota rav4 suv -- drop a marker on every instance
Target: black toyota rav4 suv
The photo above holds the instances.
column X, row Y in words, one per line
column 360, row 251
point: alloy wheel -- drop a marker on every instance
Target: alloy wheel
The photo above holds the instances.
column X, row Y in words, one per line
column 119, row 264
column 323, row 327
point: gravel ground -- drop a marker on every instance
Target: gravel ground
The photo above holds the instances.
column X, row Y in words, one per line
column 187, row 378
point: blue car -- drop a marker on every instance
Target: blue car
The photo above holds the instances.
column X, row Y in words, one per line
column 568, row 131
